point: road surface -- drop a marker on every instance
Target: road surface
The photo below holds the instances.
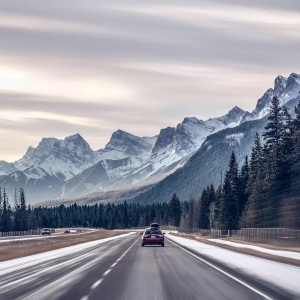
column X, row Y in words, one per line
column 120, row 269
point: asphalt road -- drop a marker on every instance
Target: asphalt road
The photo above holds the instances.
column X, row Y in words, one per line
column 120, row 269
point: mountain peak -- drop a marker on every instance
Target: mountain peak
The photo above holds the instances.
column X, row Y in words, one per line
column 279, row 85
column 236, row 110
column 127, row 143
column 234, row 116
column 76, row 139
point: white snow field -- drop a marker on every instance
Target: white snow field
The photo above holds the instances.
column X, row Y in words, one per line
column 284, row 276
column 288, row 254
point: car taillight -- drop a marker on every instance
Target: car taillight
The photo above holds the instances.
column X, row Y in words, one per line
column 160, row 235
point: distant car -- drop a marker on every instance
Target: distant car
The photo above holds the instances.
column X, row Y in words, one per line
column 67, row 231
column 46, row 231
column 154, row 225
column 153, row 236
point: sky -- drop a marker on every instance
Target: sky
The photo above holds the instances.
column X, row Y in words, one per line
column 93, row 67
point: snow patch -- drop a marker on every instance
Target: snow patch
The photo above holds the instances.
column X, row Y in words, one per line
column 283, row 275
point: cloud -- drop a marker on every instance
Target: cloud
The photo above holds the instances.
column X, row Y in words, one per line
column 139, row 66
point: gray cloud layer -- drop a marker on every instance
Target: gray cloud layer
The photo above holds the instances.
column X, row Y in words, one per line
column 93, row 67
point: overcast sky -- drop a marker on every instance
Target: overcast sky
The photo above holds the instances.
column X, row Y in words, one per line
column 92, row 67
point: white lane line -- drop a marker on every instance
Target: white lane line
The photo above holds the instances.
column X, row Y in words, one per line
column 225, row 273
column 96, row 284
column 105, row 273
column 85, row 298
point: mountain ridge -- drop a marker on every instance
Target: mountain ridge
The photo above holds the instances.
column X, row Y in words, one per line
column 127, row 159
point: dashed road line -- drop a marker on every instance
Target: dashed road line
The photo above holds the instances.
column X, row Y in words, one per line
column 105, row 273
column 96, row 284
column 109, row 270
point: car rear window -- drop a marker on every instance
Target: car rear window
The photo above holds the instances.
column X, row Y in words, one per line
column 153, row 232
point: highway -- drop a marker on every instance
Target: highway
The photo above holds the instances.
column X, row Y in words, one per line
column 120, row 269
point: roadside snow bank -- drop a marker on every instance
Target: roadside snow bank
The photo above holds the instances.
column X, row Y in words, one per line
column 284, row 276
column 58, row 253
column 288, row 254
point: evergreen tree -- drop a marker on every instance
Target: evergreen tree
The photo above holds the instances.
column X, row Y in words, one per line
column 296, row 121
column 23, row 212
column 17, row 224
column 174, row 211
column 274, row 128
column 274, row 162
column 204, row 206
column 6, row 214
column 243, row 183
column 125, row 219
column 230, row 201
column 225, row 216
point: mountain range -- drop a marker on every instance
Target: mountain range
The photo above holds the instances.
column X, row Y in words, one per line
column 181, row 159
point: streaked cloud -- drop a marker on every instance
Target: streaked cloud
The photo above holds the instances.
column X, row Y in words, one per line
column 95, row 67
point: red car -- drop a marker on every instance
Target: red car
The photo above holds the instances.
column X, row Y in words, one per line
column 153, row 236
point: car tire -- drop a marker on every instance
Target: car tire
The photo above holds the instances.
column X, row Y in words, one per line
column 143, row 245
column 162, row 244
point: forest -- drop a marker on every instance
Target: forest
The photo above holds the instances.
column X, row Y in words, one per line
column 263, row 193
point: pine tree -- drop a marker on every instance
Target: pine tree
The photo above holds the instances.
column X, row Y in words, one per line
column 23, row 212
column 17, row 224
column 274, row 128
column 174, row 211
column 273, row 162
column 6, row 214
column 243, row 183
column 230, row 199
column 204, row 212
column 125, row 218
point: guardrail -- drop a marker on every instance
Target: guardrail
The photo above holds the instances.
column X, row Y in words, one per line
column 21, row 233
column 279, row 236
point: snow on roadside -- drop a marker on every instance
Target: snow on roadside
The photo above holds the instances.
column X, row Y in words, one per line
column 33, row 237
column 279, row 274
column 36, row 258
column 288, row 254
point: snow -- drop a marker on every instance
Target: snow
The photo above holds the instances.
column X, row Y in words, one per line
column 288, row 254
column 34, row 237
column 283, row 275
column 236, row 137
column 34, row 259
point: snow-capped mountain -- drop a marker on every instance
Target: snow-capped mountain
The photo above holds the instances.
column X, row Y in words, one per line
column 69, row 168
column 208, row 164
column 38, row 184
column 6, row 168
column 60, row 158
column 284, row 88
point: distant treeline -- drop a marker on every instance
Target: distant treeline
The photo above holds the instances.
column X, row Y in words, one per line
column 109, row 216
column 264, row 192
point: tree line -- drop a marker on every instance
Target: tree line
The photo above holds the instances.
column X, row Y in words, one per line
column 263, row 192
column 21, row 217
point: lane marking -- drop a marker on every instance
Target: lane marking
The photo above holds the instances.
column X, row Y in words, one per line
column 96, row 284
column 225, row 273
column 105, row 273
column 109, row 270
